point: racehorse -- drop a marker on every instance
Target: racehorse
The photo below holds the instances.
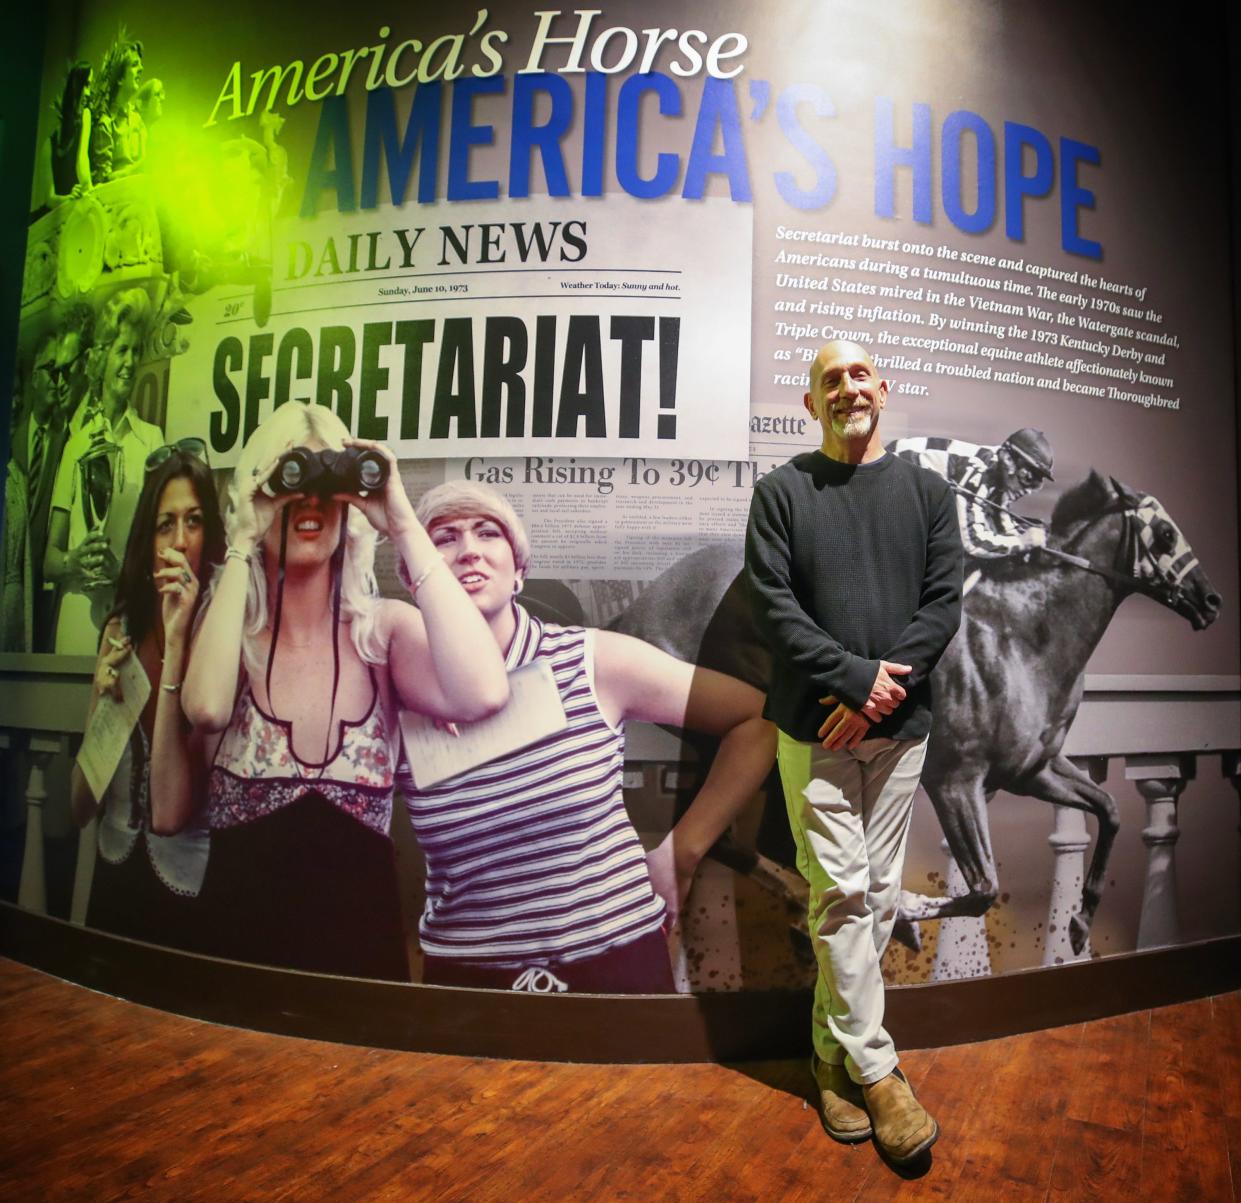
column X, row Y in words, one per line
column 1008, row 686
column 1010, row 683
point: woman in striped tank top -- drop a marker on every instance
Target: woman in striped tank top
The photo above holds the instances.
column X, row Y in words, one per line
column 536, row 879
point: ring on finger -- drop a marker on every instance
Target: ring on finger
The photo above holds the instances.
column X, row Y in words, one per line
column 185, row 576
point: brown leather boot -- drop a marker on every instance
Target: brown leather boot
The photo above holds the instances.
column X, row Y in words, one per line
column 840, row 1103
column 903, row 1128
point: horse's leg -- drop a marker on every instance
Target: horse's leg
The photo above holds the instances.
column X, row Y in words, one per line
column 1062, row 782
column 962, row 810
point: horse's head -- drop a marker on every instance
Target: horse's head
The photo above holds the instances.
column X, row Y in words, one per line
column 1163, row 562
column 1152, row 553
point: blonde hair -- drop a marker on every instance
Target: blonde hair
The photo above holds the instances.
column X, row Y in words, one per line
column 128, row 307
column 468, row 499
column 296, row 422
column 125, row 307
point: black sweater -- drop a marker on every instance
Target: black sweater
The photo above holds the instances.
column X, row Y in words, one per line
column 849, row 565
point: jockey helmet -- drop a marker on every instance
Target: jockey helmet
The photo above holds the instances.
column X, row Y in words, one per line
column 1030, row 447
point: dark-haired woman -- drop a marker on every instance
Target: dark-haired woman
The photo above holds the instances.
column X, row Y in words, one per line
column 63, row 168
column 151, row 852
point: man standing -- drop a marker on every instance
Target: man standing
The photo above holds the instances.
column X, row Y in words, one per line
column 36, row 446
column 853, row 558
column 90, row 525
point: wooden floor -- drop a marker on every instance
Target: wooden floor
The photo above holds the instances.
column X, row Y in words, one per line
column 101, row 1100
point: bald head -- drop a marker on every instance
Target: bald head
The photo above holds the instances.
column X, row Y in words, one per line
column 840, row 347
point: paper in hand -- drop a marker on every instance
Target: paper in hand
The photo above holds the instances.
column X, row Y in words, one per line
column 534, row 711
column 111, row 724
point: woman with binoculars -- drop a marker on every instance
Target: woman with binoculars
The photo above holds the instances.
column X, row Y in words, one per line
column 300, row 667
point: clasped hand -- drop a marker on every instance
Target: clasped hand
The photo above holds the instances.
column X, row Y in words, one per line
column 845, row 727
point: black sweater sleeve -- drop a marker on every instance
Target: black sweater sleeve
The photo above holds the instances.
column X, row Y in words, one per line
column 781, row 618
column 938, row 615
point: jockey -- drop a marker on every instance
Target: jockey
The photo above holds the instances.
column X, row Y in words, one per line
column 987, row 480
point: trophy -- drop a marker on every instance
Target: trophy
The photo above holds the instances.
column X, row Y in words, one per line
column 100, row 472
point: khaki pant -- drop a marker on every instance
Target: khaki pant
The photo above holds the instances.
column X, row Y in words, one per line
column 850, row 812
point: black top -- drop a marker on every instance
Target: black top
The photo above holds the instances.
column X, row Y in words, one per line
column 848, row 565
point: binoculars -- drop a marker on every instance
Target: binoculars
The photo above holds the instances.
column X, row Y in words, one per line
column 356, row 470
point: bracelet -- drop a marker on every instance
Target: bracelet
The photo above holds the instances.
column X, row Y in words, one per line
column 414, row 586
column 235, row 553
column 171, row 688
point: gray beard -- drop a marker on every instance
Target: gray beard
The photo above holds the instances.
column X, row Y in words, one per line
column 854, row 428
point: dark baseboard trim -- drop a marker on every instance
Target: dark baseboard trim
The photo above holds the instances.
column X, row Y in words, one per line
column 603, row 1028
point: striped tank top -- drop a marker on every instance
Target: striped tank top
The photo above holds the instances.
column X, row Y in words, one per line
column 531, row 858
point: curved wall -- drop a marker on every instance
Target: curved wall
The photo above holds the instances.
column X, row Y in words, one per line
column 598, row 289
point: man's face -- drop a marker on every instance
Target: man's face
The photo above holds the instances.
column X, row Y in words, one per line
column 1017, row 478
column 42, row 380
column 847, row 395
column 68, row 373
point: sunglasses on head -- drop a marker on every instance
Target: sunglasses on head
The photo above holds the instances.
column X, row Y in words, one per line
column 191, row 446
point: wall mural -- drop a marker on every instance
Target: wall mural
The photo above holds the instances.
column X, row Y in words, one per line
column 554, row 279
